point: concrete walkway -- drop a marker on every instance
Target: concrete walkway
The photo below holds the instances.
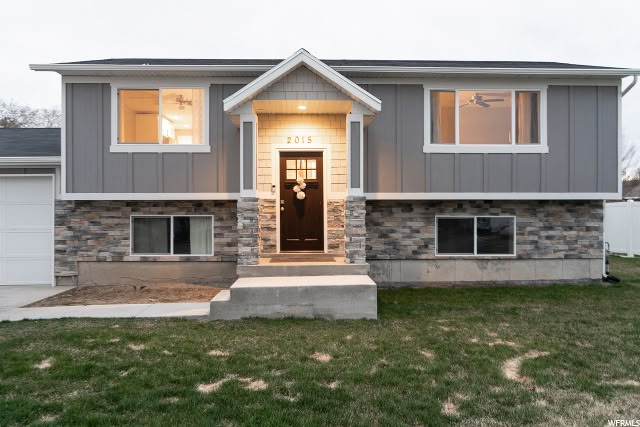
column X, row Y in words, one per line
column 14, row 297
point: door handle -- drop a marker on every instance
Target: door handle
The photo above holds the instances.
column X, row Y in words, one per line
column 282, row 208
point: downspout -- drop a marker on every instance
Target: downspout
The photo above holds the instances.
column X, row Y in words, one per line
column 631, row 85
column 605, row 246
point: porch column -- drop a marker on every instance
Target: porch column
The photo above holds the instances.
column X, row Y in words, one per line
column 355, row 205
column 248, row 203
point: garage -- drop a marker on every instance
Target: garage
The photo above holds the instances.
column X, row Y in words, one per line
column 29, row 162
column 26, row 230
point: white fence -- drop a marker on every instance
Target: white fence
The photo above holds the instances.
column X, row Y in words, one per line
column 622, row 227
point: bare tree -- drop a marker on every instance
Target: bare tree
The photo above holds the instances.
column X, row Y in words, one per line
column 13, row 115
column 630, row 162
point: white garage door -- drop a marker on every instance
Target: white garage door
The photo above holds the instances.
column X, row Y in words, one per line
column 26, row 230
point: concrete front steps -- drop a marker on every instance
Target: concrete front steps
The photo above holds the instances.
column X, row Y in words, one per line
column 346, row 296
column 302, row 269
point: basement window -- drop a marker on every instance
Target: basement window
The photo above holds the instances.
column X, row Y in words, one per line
column 475, row 236
column 172, row 235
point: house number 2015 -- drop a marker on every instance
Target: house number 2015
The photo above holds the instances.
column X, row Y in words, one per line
column 298, row 139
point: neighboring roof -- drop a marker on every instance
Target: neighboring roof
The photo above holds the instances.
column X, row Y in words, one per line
column 253, row 67
column 300, row 58
column 30, row 142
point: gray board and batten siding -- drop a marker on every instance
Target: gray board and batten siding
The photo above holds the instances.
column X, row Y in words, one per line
column 582, row 126
column 92, row 168
column 582, row 129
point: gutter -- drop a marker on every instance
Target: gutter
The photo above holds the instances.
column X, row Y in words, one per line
column 31, row 161
column 606, row 72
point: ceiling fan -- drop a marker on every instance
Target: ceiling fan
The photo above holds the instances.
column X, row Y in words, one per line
column 182, row 101
column 479, row 99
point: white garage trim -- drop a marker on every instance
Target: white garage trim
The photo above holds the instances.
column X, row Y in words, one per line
column 48, row 259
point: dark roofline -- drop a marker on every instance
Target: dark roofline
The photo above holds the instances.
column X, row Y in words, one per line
column 341, row 63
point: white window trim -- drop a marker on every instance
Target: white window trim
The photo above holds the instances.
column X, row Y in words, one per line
column 475, row 236
column 430, row 147
column 159, row 147
column 131, row 253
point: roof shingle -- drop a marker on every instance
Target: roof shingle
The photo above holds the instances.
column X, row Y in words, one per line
column 30, row 142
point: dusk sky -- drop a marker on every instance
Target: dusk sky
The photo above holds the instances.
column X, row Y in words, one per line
column 594, row 32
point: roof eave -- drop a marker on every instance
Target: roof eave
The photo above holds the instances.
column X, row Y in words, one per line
column 589, row 72
column 30, row 161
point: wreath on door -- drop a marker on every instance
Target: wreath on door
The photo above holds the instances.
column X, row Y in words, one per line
column 299, row 187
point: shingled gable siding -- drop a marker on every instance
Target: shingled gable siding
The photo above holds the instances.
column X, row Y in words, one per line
column 92, row 168
column 302, row 84
column 90, row 231
column 582, row 137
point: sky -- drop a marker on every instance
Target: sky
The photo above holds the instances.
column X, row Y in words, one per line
column 591, row 32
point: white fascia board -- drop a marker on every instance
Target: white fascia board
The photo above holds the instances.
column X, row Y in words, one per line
column 492, row 196
column 302, row 57
column 150, row 196
column 611, row 72
column 30, row 161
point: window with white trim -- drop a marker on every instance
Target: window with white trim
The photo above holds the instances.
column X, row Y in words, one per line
column 484, row 120
column 160, row 116
column 159, row 119
column 475, row 235
column 190, row 235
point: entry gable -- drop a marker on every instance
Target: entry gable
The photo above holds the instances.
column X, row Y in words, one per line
column 307, row 65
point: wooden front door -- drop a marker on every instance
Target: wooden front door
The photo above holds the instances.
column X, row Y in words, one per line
column 301, row 219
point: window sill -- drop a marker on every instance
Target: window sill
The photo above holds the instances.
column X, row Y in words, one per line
column 508, row 149
column 158, row 148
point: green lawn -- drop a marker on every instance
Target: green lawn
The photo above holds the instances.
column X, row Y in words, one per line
column 436, row 356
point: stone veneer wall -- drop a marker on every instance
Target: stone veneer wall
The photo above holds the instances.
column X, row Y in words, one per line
column 248, row 244
column 555, row 241
column 355, row 230
column 335, row 227
column 267, row 226
column 98, row 231
column 544, row 229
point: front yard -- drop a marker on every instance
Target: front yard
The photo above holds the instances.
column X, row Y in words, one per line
column 490, row 356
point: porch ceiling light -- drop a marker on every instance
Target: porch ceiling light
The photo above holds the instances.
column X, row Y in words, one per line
column 302, row 107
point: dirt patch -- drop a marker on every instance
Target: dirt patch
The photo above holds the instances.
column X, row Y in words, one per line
column 321, row 357
column 45, row 364
column 502, row 342
column 48, row 418
column 129, row 294
column 625, row 383
column 332, row 385
column 427, row 353
column 256, row 385
column 136, row 347
column 449, row 408
column 211, row 387
column 511, row 368
column 218, row 353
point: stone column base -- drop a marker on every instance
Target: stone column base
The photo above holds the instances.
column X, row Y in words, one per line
column 355, row 230
column 248, row 244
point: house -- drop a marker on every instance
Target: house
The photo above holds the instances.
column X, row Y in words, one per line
column 29, row 163
column 323, row 173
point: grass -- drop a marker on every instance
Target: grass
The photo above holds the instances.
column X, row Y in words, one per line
column 433, row 358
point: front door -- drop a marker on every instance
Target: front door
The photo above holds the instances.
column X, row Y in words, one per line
column 301, row 201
